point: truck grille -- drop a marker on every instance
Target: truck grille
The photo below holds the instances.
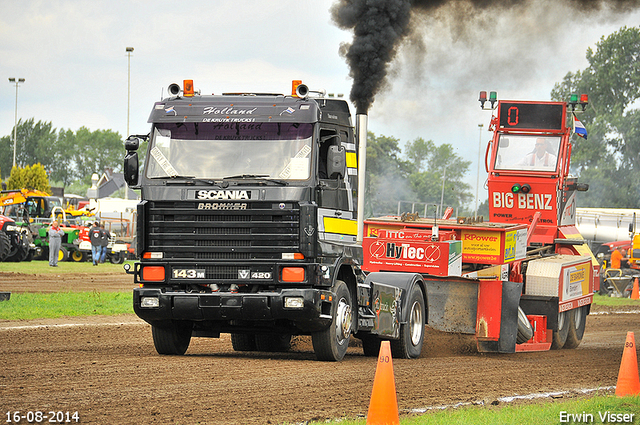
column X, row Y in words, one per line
column 262, row 231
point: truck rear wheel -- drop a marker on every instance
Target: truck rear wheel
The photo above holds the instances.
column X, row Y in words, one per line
column 561, row 331
column 331, row 344
column 409, row 345
column 243, row 342
column 577, row 321
column 172, row 338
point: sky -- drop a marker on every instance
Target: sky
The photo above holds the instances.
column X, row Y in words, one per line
column 72, row 56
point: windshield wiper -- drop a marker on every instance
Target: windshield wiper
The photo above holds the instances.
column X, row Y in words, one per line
column 192, row 180
column 264, row 177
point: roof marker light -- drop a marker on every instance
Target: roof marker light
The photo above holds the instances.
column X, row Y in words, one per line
column 188, row 88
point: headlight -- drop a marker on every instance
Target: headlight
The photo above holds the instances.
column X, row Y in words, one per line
column 12, row 228
column 149, row 302
column 293, row 302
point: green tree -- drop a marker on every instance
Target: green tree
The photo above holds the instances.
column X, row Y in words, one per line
column 386, row 182
column 93, row 151
column 29, row 177
column 610, row 159
column 431, row 166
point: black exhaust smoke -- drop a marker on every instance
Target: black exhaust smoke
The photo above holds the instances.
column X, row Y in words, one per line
column 380, row 26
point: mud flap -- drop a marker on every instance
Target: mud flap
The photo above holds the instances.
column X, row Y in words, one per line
column 497, row 320
column 452, row 304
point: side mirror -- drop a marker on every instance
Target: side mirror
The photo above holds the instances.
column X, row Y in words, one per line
column 336, row 162
column 131, row 168
column 132, row 143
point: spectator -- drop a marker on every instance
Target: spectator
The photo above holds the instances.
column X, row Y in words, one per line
column 55, row 242
column 95, row 236
column 617, row 257
column 104, row 241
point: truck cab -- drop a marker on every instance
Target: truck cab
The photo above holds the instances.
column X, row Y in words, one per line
column 247, row 223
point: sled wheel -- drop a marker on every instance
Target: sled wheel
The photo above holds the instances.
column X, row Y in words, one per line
column 331, row 344
column 172, row 338
column 525, row 331
column 578, row 319
column 409, row 345
column 561, row 331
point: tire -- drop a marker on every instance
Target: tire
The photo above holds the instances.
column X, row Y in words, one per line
column 20, row 250
column 409, row 345
column 63, row 254
column 172, row 338
column 273, row 343
column 561, row 331
column 525, row 330
column 78, row 256
column 331, row 344
column 243, row 342
column 577, row 322
column 371, row 345
column 5, row 245
column 117, row 258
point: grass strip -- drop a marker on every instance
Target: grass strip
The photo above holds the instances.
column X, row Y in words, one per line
column 591, row 410
column 28, row 306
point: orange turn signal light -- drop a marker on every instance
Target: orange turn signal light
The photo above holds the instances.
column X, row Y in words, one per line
column 153, row 273
column 293, row 274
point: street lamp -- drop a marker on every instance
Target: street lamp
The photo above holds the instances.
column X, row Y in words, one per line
column 128, row 50
column 444, row 178
column 16, row 81
column 478, row 177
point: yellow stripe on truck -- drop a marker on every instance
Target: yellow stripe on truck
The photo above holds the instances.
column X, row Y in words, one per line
column 352, row 161
column 340, row 225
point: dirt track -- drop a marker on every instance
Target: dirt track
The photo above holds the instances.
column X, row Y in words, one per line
column 107, row 370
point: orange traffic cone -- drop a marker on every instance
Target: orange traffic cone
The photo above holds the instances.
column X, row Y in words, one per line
column 635, row 293
column 383, row 408
column 628, row 379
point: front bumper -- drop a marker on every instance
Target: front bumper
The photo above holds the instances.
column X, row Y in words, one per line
column 223, row 309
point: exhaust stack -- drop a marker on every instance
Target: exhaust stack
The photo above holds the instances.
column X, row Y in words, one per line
column 361, row 134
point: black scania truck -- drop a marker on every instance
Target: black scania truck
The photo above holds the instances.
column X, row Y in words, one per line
column 248, row 225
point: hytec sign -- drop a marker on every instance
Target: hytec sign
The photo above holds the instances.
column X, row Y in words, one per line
column 412, row 251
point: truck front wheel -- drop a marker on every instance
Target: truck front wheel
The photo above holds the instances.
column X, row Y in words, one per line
column 331, row 344
column 409, row 345
column 172, row 338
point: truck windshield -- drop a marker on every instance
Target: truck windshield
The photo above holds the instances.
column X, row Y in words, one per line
column 527, row 152
column 217, row 150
